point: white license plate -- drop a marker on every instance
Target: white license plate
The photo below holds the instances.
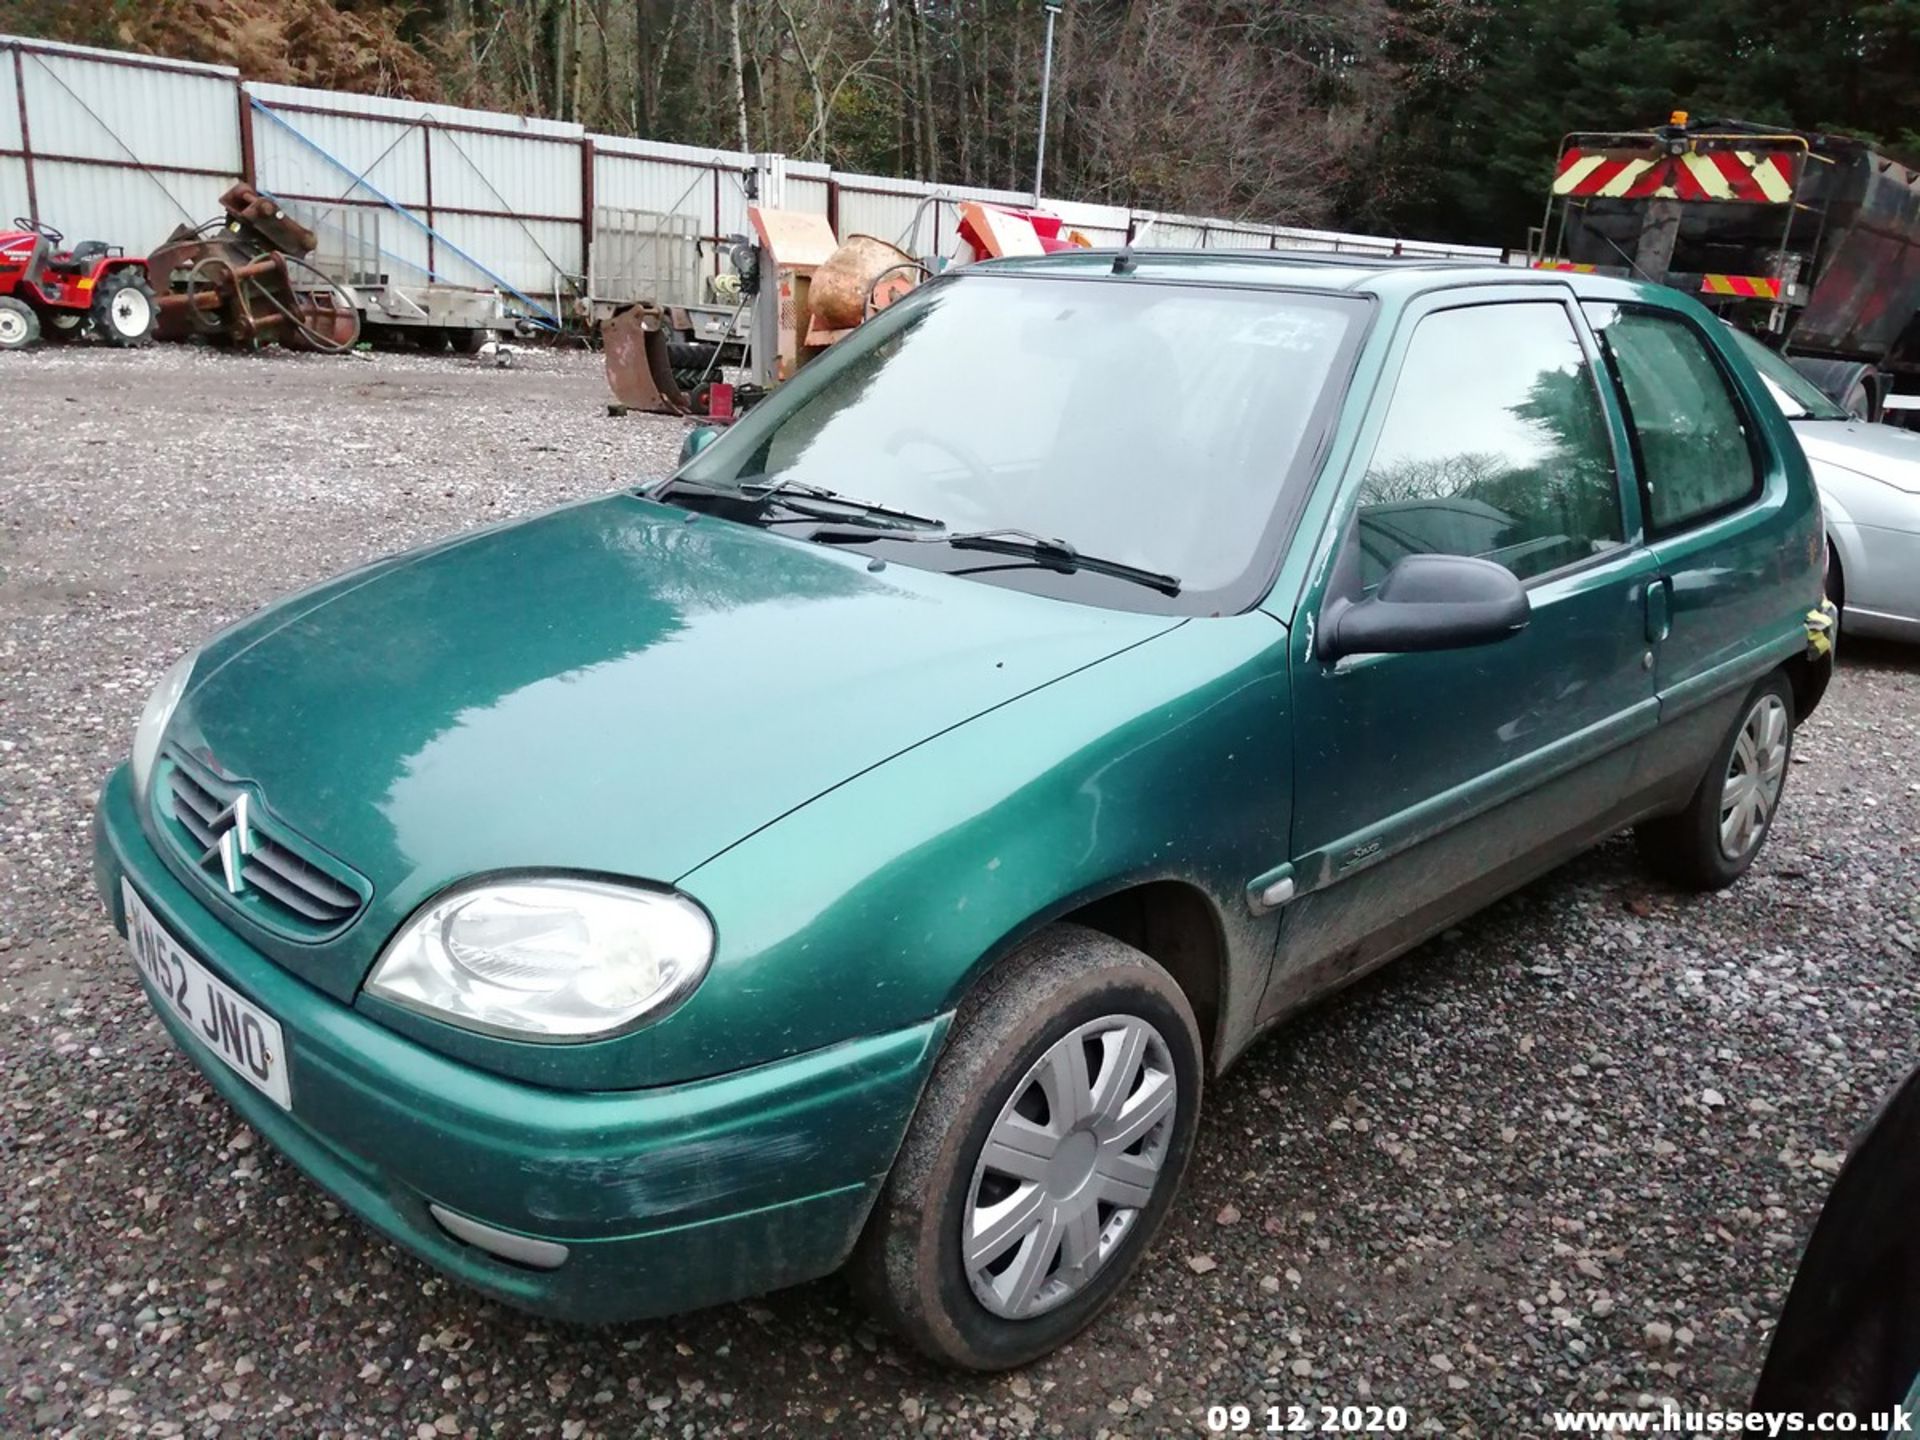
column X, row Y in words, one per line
column 244, row 1036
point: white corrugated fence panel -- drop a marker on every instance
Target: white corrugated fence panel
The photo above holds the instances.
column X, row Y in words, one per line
column 1303, row 240
column 13, row 188
column 1104, row 225
column 524, row 253
column 1173, row 235
column 807, row 195
column 9, row 108
column 527, row 174
column 297, row 154
column 405, row 112
column 733, row 203
column 663, row 187
column 886, row 214
column 666, row 151
column 130, row 208
column 94, row 107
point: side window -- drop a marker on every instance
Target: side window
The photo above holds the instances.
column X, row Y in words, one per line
column 1689, row 436
column 1494, row 445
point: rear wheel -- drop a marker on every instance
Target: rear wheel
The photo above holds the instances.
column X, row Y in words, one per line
column 1714, row 841
column 123, row 309
column 19, row 326
column 1045, row 1153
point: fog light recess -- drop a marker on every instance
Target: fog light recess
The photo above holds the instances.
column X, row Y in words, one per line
column 520, row 1249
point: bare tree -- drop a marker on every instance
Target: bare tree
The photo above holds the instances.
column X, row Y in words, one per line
column 739, row 72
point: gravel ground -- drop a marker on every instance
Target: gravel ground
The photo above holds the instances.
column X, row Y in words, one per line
column 1565, row 1155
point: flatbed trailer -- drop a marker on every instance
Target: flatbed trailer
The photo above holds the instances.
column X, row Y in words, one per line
column 1810, row 241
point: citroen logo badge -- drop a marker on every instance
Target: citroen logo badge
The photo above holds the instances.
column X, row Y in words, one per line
column 233, row 846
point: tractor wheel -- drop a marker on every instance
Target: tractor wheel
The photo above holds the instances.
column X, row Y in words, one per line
column 19, row 326
column 124, row 310
column 62, row 325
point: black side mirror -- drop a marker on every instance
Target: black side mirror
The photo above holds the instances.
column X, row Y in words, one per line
column 1427, row 602
column 697, row 439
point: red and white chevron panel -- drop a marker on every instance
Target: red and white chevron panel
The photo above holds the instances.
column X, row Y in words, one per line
column 1762, row 177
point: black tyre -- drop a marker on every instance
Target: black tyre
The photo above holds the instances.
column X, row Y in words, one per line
column 1045, row 1153
column 1711, row 843
column 1836, row 583
column 62, row 326
column 471, row 342
column 124, row 311
column 693, row 355
column 19, row 326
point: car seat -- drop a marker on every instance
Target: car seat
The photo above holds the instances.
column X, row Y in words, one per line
column 79, row 259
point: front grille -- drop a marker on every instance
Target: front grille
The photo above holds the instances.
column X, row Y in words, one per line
column 281, row 881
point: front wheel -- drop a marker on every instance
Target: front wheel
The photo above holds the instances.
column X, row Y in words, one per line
column 1714, row 841
column 123, row 309
column 19, row 325
column 1046, row 1151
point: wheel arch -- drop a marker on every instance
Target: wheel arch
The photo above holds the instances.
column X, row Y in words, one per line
column 1173, row 921
column 1808, row 678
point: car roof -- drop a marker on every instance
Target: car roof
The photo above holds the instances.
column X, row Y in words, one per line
column 1384, row 275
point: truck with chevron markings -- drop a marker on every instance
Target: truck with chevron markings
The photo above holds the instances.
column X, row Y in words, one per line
column 1809, row 241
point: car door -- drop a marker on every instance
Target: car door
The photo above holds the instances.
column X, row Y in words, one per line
column 1736, row 545
column 1427, row 783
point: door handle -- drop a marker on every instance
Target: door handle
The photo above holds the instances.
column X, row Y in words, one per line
column 1659, row 609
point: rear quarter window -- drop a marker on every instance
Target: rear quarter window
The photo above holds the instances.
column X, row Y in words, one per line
column 1692, row 442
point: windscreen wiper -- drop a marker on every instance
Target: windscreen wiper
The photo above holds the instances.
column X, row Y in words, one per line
column 757, row 494
column 1056, row 554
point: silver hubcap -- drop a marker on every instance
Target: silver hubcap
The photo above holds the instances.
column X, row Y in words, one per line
column 1069, row 1164
column 1754, row 775
column 130, row 311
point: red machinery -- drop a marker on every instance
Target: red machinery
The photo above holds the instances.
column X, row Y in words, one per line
column 47, row 290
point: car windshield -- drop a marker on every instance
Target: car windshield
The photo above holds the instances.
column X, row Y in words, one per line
column 1158, row 426
column 1798, row 397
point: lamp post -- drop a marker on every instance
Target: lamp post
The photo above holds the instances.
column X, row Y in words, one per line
column 1053, row 8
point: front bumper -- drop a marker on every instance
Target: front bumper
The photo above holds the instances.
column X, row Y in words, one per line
column 665, row 1199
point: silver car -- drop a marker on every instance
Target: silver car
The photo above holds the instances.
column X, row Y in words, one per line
column 1869, row 478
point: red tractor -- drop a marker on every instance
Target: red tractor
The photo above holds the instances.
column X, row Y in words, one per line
column 44, row 289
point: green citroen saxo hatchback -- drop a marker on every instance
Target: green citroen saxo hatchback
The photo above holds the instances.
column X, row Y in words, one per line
column 861, row 846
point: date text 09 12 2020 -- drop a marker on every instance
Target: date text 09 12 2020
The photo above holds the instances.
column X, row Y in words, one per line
column 1307, row 1419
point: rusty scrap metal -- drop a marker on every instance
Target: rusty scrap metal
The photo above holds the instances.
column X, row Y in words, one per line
column 244, row 279
column 639, row 368
column 843, row 292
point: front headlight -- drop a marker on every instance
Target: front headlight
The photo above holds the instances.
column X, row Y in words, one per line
column 153, row 719
column 546, row 958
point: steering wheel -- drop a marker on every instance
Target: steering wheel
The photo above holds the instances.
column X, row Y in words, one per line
column 45, row 232
column 917, row 435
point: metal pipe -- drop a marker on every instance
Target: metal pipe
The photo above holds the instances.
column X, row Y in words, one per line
column 1046, row 84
